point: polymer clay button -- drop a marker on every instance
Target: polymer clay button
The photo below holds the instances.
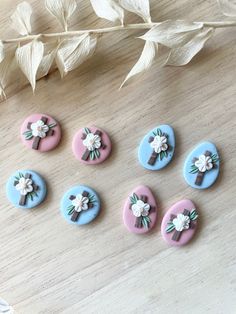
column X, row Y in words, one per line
column 26, row 189
column 80, row 205
column 202, row 166
column 179, row 223
column 157, row 148
column 140, row 210
column 40, row 132
column 91, row 145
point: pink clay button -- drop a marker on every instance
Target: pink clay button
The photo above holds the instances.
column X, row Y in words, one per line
column 91, row 145
column 140, row 210
column 180, row 223
column 40, row 132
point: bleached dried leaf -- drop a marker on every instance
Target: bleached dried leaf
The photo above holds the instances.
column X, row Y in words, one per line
column 5, row 69
column 21, row 18
column 2, row 53
column 29, row 58
column 108, row 9
column 62, row 10
column 139, row 7
column 183, row 55
column 145, row 61
column 73, row 52
column 173, row 33
column 5, row 308
column 50, row 51
column 228, row 7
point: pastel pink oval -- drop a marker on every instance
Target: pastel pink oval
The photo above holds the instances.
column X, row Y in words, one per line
column 47, row 143
column 79, row 149
column 187, row 234
column 128, row 216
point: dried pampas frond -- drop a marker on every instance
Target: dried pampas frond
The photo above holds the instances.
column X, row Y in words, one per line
column 170, row 42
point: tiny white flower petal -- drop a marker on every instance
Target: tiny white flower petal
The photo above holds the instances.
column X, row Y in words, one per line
column 29, row 188
column 140, row 203
column 23, row 191
column 164, row 147
column 209, row 166
column 136, row 210
column 18, row 187
column 84, row 206
column 45, row 128
column 146, row 207
column 39, row 123
column 202, row 158
column 163, row 139
column 202, row 168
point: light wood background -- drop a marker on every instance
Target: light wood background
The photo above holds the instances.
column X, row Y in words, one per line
column 49, row 266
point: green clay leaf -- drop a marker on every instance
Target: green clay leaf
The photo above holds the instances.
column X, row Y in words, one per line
column 70, row 209
column 86, row 130
column 92, row 155
column 193, row 215
column 162, row 155
column 145, row 223
column 135, row 196
column 52, row 125
column 194, row 170
column 97, row 153
column 132, row 200
column 170, row 227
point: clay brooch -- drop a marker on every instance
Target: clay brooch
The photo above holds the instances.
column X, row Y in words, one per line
column 140, row 210
column 179, row 223
column 91, row 145
column 40, row 132
column 157, row 148
column 26, row 189
column 201, row 168
column 80, row 205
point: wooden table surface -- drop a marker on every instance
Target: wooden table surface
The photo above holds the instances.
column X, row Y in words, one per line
column 49, row 266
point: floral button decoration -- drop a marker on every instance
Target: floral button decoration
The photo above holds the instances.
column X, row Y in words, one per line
column 201, row 168
column 80, row 205
column 91, row 145
column 40, row 132
column 179, row 223
column 157, row 148
column 140, row 210
column 26, row 189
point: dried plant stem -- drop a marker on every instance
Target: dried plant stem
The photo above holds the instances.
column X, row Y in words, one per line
column 108, row 30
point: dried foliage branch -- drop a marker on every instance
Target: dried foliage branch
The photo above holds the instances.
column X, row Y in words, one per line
column 170, row 42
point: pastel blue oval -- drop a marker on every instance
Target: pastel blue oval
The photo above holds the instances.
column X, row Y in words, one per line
column 145, row 149
column 14, row 196
column 85, row 216
column 209, row 176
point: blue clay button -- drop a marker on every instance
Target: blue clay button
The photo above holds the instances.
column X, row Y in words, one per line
column 157, row 148
column 202, row 166
column 26, row 189
column 80, row 205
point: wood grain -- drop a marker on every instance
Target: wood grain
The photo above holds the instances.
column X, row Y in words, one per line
column 48, row 266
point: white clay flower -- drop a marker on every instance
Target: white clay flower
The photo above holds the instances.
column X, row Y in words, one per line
column 204, row 163
column 39, row 129
column 80, row 203
column 181, row 222
column 140, row 209
column 25, row 186
column 159, row 144
column 92, row 141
